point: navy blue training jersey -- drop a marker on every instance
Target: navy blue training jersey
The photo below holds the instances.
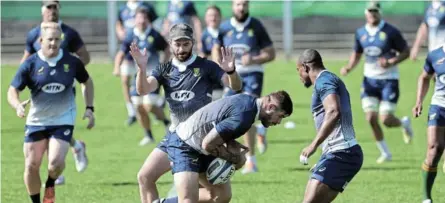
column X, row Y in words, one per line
column 383, row 41
column 343, row 135
column 150, row 39
column 248, row 37
column 435, row 64
column 71, row 41
column 180, row 11
column 231, row 117
column 51, row 84
column 187, row 85
column 208, row 38
column 127, row 13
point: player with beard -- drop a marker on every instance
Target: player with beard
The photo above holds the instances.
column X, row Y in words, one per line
column 253, row 48
column 187, row 80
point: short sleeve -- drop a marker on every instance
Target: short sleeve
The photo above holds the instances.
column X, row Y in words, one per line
column 30, row 39
column 357, row 45
column 398, row 42
column 21, row 78
column 81, row 73
column 326, row 86
column 235, row 126
column 125, row 46
column 157, row 74
column 204, row 45
column 428, row 66
column 215, row 73
column 119, row 16
column 75, row 42
column 263, row 37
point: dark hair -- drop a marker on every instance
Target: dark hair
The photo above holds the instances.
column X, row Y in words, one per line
column 283, row 100
column 215, row 7
column 144, row 11
column 312, row 57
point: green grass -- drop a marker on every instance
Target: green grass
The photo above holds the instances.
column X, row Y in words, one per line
column 115, row 156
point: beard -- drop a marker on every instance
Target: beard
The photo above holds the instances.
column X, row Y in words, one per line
column 307, row 84
column 183, row 56
column 264, row 120
column 241, row 18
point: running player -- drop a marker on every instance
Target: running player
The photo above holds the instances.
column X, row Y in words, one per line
column 433, row 26
column 187, row 81
column 210, row 34
column 146, row 38
column 70, row 42
column 342, row 156
column 211, row 132
column 384, row 48
column 49, row 74
column 183, row 11
column 126, row 21
column 253, row 47
column 434, row 66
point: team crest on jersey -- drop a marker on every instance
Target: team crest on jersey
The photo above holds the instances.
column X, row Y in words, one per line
column 250, row 33
column 440, row 61
column 382, row 36
column 40, row 71
column 150, row 39
column 66, row 68
column 196, row 72
column 230, row 33
column 363, row 38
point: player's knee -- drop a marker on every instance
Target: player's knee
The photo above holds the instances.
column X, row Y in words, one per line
column 56, row 166
column 435, row 150
column 372, row 118
column 32, row 166
column 387, row 121
column 224, row 196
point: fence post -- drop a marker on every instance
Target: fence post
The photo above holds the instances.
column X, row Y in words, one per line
column 288, row 35
column 112, row 19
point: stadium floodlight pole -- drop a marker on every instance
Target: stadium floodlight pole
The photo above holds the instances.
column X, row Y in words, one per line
column 288, row 35
column 112, row 19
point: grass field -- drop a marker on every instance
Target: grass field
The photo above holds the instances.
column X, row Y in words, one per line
column 115, row 156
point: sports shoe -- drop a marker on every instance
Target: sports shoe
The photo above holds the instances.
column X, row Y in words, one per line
column 80, row 156
column 384, row 158
column 145, row 141
column 427, row 201
column 50, row 195
column 131, row 120
column 250, row 167
column 60, row 180
column 407, row 130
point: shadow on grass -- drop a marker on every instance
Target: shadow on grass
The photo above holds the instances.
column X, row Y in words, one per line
column 133, row 183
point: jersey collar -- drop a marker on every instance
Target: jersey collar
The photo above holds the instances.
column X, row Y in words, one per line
column 213, row 32
column 373, row 30
column 239, row 26
column 182, row 66
column 259, row 102
column 51, row 61
column 320, row 74
column 142, row 35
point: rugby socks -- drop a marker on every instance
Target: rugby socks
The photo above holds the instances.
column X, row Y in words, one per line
column 49, row 182
column 251, row 159
column 130, row 110
column 35, row 198
column 383, row 148
column 429, row 174
column 261, row 130
column 148, row 134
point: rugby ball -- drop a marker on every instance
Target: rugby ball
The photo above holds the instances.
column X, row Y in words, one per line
column 220, row 171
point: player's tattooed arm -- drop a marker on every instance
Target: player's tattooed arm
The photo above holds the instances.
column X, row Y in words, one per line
column 214, row 145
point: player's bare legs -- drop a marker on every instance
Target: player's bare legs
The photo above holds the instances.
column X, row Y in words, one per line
column 156, row 165
column 187, row 186
column 249, row 139
column 436, row 145
column 57, row 150
column 318, row 192
column 391, row 121
column 33, row 152
column 144, row 120
column 125, row 82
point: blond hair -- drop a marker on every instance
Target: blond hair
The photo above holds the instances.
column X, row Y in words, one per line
column 47, row 26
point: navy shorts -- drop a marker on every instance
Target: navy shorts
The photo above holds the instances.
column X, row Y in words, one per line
column 384, row 90
column 252, row 84
column 337, row 169
column 164, row 142
column 436, row 116
column 37, row 133
column 185, row 158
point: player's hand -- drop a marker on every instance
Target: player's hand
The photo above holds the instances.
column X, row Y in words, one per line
column 141, row 57
column 90, row 115
column 344, row 71
column 116, row 72
column 20, row 109
column 308, row 151
column 413, row 54
column 237, row 148
column 246, row 59
column 227, row 59
column 384, row 62
column 417, row 110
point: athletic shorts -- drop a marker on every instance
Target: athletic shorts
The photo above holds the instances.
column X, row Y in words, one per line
column 380, row 95
column 337, row 169
column 37, row 133
column 164, row 142
column 252, row 84
column 436, row 116
column 128, row 68
column 185, row 158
